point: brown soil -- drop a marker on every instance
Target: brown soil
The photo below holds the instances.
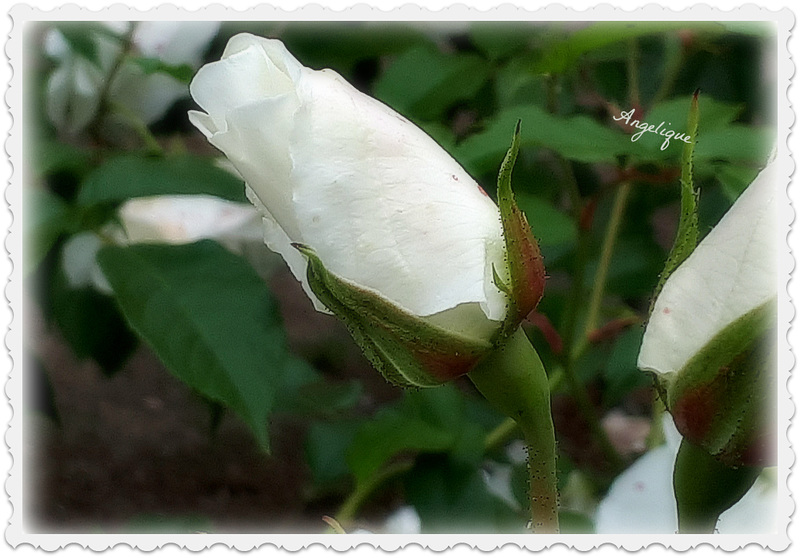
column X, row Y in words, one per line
column 136, row 451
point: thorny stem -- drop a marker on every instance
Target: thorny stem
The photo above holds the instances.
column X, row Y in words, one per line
column 513, row 379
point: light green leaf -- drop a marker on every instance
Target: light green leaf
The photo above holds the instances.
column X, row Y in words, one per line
column 181, row 72
column 208, row 317
column 735, row 143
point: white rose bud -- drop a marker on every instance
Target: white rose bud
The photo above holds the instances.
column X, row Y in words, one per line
column 381, row 225
column 711, row 338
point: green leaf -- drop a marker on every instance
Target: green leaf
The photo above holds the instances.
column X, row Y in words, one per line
column 133, row 176
column 321, row 45
column 733, row 178
column 452, row 497
column 553, row 227
column 423, row 82
column 430, row 420
column 578, row 138
column 90, row 322
column 390, row 433
column 735, row 143
column 47, row 217
column 675, row 113
column 326, row 448
column 181, row 72
column 208, row 317
column 54, row 156
column 499, row 40
column 621, row 373
column 564, row 53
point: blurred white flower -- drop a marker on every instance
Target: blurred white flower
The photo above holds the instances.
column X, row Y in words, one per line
column 186, row 219
column 403, row 521
column 164, row 220
column 79, row 261
column 641, row 499
column 77, row 83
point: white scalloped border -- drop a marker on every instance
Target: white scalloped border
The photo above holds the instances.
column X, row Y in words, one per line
column 16, row 534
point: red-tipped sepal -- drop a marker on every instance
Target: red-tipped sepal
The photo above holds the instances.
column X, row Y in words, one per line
column 525, row 266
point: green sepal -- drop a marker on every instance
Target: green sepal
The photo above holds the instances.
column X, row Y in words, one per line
column 704, row 488
column 688, row 231
column 407, row 350
column 524, row 259
column 722, row 398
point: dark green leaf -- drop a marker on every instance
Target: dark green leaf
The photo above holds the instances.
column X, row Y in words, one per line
column 46, row 218
column 91, row 323
column 562, row 54
column 392, row 432
column 326, row 449
column 675, row 113
column 621, row 372
column 498, row 40
column 428, row 420
column 733, row 178
column 422, row 83
column 549, row 225
column 54, row 156
column 165, row 524
column 210, row 319
column 133, row 176
column 453, row 498
column 579, row 138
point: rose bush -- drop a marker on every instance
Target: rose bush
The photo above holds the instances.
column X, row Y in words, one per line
column 369, row 212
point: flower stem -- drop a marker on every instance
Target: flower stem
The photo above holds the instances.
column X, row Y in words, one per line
column 347, row 511
column 607, row 250
column 513, row 379
column 705, row 487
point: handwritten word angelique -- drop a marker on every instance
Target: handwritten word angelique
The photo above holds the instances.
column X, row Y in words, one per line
column 645, row 127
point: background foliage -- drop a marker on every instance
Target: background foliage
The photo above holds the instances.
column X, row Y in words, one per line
column 225, row 324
